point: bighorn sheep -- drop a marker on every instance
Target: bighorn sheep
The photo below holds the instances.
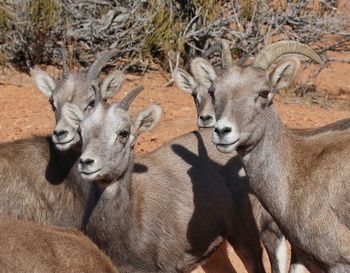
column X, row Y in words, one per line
column 301, row 181
column 38, row 182
column 30, row 247
column 260, row 222
column 75, row 88
column 167, row 216
column 51, row 192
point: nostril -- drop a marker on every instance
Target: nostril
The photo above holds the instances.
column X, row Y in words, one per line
column 206, row 118
column 222, row 131
column 226, row 130
column 86, row 162
column 61, row 134
column 89, row 161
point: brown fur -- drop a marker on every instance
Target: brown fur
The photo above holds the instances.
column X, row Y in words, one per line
column 50, row 192
column 37, row 176
column 251, row 217
column 301, row 180
column 29, row 247
column 161, row 204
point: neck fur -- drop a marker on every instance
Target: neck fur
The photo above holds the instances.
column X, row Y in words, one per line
column 266, row 163
column 114, row 212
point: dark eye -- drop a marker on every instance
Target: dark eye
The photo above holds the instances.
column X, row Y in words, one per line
column 53, row 107
column 211, row 93
column 264, row 94
column 211, row 90
column 194, row 95
column 91, row 104
column 123, row 135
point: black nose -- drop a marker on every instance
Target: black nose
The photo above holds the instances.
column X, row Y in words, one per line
column 222, row 131
column 206, row 118
column 86, row 162
column 61, row 134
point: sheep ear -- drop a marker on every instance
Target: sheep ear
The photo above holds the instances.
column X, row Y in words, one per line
column 111, row 84
column 147, row 119
column 184, row 80
column 203, row 71
column 43, row 81
column 284, row 72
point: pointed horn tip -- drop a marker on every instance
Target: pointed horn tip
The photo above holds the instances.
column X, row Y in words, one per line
column 137, row 89
column 129, row 98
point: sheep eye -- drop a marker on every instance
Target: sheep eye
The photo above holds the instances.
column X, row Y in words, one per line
column 53, row 107
column 92, row 103
column 194, row 94
column 264, row 94
column 211, row 93
column 211, row 90
column 124, row 134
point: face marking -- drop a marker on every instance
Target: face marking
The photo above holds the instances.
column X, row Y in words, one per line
column 225, row 135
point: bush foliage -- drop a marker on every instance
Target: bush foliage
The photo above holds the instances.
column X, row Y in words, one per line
column 154, row 30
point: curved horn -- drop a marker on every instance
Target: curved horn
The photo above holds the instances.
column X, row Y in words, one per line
column 271, row 53
column 224, row 48
column 128, row 99
column 64, row 63
column 99, row 63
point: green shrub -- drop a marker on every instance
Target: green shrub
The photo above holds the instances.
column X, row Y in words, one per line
column 166, row 32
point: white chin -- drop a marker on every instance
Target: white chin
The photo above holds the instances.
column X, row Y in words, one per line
column 89, row 177
column 202, row 125
column 65, row 146
column 223, row 148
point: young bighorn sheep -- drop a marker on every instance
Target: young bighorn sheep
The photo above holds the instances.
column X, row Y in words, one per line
column 167, row 216
column 30, row 247
column 51, row 192
column 260, row 222
column 301, row 181
column 75, row 88
column 38, row 182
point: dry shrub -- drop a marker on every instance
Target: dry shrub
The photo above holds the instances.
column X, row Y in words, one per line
column 151, row 31
column 26, row 29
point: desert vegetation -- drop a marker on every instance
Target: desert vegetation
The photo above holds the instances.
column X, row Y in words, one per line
column 148, row 32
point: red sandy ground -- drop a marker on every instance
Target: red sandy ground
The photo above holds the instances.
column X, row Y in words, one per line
column 25, row 112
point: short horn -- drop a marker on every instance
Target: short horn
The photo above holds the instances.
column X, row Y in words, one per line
column 100, row 62
column 224, row 48
column 226, row 57
column 216, row 47
column 129, row 98
column 98, row 95
column 271, row 53
column 64, row 63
